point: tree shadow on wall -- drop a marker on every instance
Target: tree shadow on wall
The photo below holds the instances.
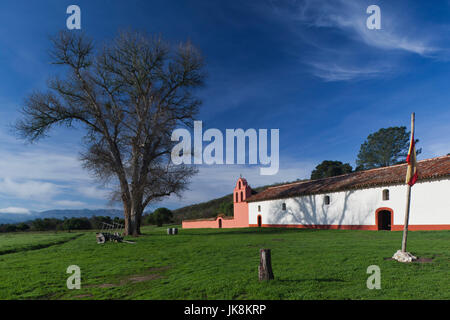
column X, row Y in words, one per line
column 307, row 212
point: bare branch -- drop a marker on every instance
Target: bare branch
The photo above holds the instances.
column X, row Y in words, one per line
column 129, row 96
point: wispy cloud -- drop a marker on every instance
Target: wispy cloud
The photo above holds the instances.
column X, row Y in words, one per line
column 350, row 16
column 340, row 47
column 331, row 71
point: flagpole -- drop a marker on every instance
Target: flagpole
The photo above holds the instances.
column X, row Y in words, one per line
column 405, row 228
column 408, row 195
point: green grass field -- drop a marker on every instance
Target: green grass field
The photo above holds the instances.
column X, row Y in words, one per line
column 222, row 264
column 17, row 242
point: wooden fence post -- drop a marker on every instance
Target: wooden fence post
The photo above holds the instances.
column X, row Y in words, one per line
column 265, row 265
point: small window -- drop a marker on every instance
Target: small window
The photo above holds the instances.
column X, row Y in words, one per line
column 283, row 206
column 239, row 184
column 326, row 200
column 237, row 197
column 385, row 194
column 259, row 208
column 242, row 196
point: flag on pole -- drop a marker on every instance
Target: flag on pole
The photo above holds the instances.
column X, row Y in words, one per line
column 411, row 173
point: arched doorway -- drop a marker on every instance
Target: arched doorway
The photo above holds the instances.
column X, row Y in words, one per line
column 259, row 221
column 384, row 220
column 220, row 223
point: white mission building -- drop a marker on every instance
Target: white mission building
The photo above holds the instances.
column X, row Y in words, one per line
column 365, row 200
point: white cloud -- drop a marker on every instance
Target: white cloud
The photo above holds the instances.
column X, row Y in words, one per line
column 41, row 165
column 15, row 210
column 92, row 192
column 41, row 174
column 30, row 189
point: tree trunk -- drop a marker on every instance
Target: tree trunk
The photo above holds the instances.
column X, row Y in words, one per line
column 133, row 220
column 265, row 265
column 139, row 220
column 134, row 224
column 127, row 217
column 130, row 226
column 128, row 229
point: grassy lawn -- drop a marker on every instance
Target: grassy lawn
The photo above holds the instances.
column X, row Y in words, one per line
column 16, row 242
column 223, row 263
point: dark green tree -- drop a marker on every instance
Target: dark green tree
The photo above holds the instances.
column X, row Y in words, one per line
column 11, row 228
column 162, row 215
column 386, row 147
column 76, row 224
column 97, row 221
column 23, row 226
column 45, row 224
column 226, row 208
column 329, row 168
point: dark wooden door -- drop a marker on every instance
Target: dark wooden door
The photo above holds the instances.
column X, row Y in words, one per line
column 384, row 220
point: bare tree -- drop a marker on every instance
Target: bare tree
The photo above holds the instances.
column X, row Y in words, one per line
column 129, row 96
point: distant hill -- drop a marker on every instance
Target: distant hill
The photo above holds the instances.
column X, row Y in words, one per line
column 206, row 209
column 82, row 213
column 60, row 214
column 211, row 208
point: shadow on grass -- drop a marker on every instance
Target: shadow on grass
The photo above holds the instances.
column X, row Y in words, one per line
column 304, row 280
column 233, row 232
column 39, row 246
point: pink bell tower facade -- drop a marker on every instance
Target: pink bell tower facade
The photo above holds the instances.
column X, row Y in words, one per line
column 240, row 207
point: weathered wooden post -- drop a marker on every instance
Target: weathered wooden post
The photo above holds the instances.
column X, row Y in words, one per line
column 265, row 265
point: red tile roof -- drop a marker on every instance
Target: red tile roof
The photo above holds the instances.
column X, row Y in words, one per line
column 427, row 169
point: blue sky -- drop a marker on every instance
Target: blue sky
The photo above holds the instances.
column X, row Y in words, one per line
column 311, row 69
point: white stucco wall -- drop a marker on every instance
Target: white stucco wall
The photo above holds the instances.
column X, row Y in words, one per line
column 430, row 205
